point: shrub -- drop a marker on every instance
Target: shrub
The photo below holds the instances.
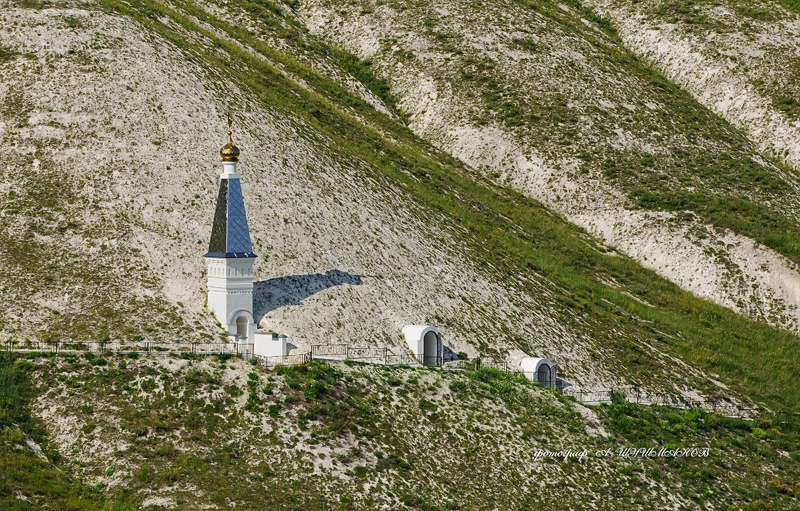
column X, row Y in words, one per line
column 427, row 405
column 323, row 372
column 253, row 403
column 283, row 370
column 10, row 400
column 314, row 389
column 143, row 474
column 194, row 376
column 458, row 386
column 487, row 374
column 25, row 365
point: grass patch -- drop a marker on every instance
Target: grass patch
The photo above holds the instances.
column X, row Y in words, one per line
column 26, row 481
column 734, row 448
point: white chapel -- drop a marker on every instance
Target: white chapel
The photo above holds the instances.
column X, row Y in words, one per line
column 230, row 260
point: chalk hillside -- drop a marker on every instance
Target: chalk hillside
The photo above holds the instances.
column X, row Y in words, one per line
column 533, row 178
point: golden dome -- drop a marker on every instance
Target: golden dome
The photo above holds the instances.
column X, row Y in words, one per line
column 229, row 151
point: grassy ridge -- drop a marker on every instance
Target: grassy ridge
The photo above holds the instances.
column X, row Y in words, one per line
column 341, row 436
column 781, row 87
column 518, row 236
column 739, row 209
column 716, row 177
column 711, row 169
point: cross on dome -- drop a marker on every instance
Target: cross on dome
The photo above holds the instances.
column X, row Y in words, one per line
column 229, row 151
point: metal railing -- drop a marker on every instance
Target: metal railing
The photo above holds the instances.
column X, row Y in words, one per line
column 329, row 350
column 636, row 395
column 429, row 361
column 366, row 354
column 285, row 360
column 119, row 347
column 554, row 384
column 402, row 358
column 478, row 363
column 500, row 365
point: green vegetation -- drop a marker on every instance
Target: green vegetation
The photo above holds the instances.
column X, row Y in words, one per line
column 338, row 425
column 712, row 170
column 6, row 54
column 783, row 84
column 42, row 483
column 733, row 445
column 788, row 104
column 741, row 208
column 721, row 184
column 690, row 12
column 360, row 70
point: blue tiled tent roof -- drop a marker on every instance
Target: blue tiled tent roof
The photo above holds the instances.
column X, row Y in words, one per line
column 230, row 236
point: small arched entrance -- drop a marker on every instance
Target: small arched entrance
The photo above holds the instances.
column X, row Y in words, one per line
column 425, row 342
column 241, row 325
column 242, row 328
column 543, row 375
column 539, row 370
column 431, row 345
